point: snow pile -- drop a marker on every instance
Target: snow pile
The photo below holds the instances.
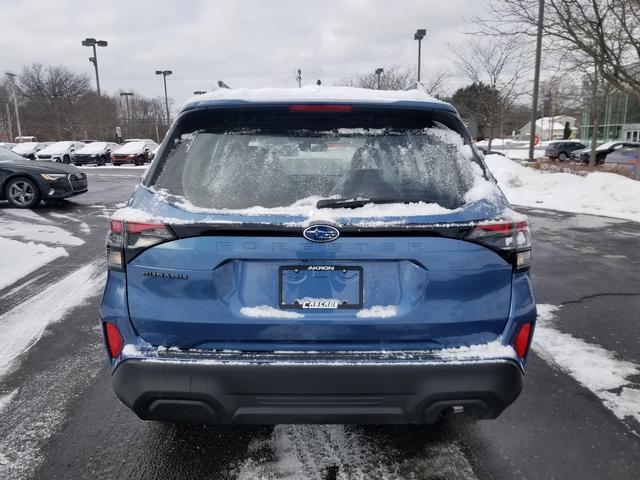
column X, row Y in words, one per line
column 378, row 311
column 598, row 193
column 591, row 365
column 267, row 311
column 18, row 259
column 314, row 93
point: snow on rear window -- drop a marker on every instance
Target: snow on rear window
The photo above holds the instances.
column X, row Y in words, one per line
column 250, row 169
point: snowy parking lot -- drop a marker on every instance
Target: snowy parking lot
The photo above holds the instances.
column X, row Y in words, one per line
column 578, row 417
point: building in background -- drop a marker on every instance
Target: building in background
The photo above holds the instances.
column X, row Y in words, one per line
column 548, row 128
column 620, row 118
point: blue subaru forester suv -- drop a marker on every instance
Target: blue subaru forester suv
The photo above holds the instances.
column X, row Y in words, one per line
column 317, row 255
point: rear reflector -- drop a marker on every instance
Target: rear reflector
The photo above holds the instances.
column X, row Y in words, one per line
column 521, row 342
column 320, row 108
column 113, row 339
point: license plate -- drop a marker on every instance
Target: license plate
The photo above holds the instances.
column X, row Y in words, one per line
column 320, row 287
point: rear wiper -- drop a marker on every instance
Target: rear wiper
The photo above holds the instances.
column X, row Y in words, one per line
column 353, row 203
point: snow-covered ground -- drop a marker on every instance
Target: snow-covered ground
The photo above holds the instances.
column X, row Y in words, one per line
column 590, row 364
column 28, row 242
column 50, row 305
column 598, row 193
column 18, row 259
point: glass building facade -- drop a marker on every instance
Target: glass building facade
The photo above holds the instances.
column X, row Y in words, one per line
column 619, row 120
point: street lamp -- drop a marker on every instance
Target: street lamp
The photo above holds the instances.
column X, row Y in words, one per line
column 13, row 76
column 419, row 35
column 164, row 74
column 92, row 42
column 127, row 95
column 378, row 73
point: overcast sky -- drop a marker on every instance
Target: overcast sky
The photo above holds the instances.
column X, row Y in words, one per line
column 243, row 42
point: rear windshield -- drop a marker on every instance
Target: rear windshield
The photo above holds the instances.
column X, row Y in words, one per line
column 239, row 168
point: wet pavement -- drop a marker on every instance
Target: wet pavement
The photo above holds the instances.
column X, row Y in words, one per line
column 64, row 422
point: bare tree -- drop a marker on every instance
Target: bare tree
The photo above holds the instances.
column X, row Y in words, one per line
column 398, row 77
column 607, row 32
column 501, row 66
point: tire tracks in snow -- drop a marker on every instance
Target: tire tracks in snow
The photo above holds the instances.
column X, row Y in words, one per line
column 22, row 326
column 35, row 409
column 325, row 452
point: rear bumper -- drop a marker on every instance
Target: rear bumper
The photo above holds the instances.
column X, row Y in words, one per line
column 250, row 392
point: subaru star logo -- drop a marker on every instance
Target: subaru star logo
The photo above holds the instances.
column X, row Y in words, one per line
column 321, row 233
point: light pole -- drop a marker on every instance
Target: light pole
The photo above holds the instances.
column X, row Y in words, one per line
column 164, row 74
column 127, row 95
column 92, row 42
column 13, row 76
column 378, row 73
column 536, row 82
column 419, row 35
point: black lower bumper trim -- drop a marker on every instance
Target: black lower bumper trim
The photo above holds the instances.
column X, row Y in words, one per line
column 315, row 393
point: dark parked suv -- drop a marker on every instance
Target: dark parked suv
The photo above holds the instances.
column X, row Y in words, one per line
column 562, row 150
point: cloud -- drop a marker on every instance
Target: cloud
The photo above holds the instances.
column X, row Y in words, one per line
column 247, row 43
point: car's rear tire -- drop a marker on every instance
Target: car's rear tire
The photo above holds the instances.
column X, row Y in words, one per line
column 562, row 156
column 66, row 159
column 103, row 161
column 139, row 161
column 22, row 192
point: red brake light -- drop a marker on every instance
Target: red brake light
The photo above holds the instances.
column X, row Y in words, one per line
column 521, row 342
column 114, row 339
column 145, row 227
column 116, row 226
column 320, row 108
column 503, row 228
column 126, row 239
column 511, row 240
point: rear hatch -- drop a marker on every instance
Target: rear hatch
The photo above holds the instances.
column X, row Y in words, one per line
column 300, row 229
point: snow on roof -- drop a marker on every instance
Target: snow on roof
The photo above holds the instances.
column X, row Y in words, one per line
column 131, row 147
column 58, row 147
column 24, row 147
column 313, row 93
column 94, row 147
column 545, row 122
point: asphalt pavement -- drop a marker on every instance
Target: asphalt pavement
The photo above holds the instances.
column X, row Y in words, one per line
column 64, row 422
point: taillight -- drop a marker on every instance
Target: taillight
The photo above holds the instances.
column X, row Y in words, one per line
column 320, row 108
column 521, row 342
column 113, row 339
column 126, row 239
column 511, row 240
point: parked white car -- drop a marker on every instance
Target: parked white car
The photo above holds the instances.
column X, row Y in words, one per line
column 29, row 149
column 95, row 152
column 61, row 152
column 137, row 152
